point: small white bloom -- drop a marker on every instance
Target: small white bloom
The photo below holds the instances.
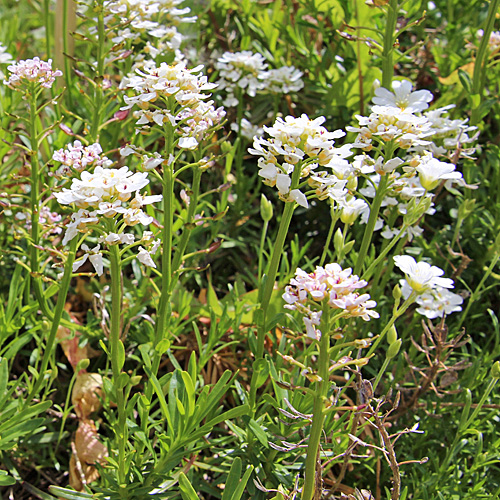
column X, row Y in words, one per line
column 145, row 258
column 421, row 276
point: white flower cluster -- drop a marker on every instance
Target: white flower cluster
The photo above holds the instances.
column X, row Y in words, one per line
column 108, row 193
column 305, row 144
column 157, row 19
column 175, row 94
column 78, row 157
column 433, row 295
column 32, row 71
column 247, row 71
column 336, row 285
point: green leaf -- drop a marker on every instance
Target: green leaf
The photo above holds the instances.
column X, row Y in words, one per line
column 212, row 299
column 187, row 490
column 232, row 480
column 258, row 432
column 241, row 487
column 5, row 479
column 69, row 494
column 465, row 80
column 120, row 354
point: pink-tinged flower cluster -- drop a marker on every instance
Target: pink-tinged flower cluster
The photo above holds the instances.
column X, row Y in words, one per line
column 78, row 157
column 32, row 70
column 338, row 286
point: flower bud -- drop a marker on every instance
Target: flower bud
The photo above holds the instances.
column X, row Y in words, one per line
column 495, row 370
column 393, row 350
column 397, row 294
column 266, row 209
column 338, row 240
column 392, row 335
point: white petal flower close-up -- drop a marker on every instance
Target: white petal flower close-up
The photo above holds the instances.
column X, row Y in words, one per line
column 421, row 276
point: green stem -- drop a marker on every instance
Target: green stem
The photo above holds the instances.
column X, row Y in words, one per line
column 396, row 314
column 477, row 292
column 262, row 244
column 388, row 50
column 380, row 373
column 188, row 226
column 35, row 203
column 312, row 456
column 99, row 74
column 56, row 319
column 480, row 63
column 334, row 219
column 370, row 226
column 48, row 27
column 451, row 450
column 273, row 271
column 117, row 352
column 167, row 237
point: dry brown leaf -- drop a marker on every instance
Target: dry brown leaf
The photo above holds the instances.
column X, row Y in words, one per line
column 72, row 350
column 79, row 471
column 87, row 394
column 88, row 448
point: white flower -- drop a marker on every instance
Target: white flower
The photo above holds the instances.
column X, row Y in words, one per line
column 421, row 276
column 248, row 130
column 95, row 258
column 434, row 303
column 283, row 80
column 188, row 143
column 240, row 70
column 114, row 239
column 431, row 171
column 403, row 97
column 145, row 258
column 351, row 209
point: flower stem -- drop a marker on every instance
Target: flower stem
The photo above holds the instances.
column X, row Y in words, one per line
column 56, row 319
column 334, row 219
column 99, row 75
column 370, row 227
column 117, row 352
column 35, row 203
column 388, row 50
column 312, row 467
column 479, row 64
column 188, row 226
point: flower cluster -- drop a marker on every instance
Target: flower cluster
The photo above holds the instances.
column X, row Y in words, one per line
column 335, row 285
column 247, row 72
column 108, row 193
column 32, row 71
column 174, row 94
column 154, row 19
column 299, row 143
column 78, row 157
column 436, row 302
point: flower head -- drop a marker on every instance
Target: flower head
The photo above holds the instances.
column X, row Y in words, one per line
column 403, row 97
column 32, row 70
column 339, row 287
column 421, row 276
